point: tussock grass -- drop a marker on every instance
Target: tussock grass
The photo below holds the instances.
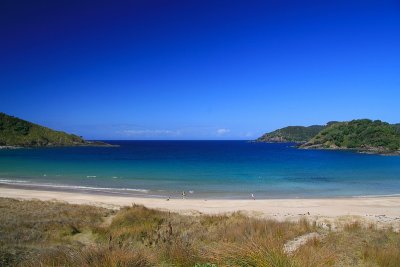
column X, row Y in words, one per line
column 28, row 227
column 92, row 256
column 36, row 233
column 383, row 249
column 36, row 221
column 316, row 253
column 356, row 245
column 251, row 253
column 353, row 226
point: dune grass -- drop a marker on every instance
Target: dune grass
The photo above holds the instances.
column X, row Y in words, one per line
column 36, row 233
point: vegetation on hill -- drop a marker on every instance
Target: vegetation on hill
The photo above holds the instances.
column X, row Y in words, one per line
column 397, row 126
column 297, row 134
column 17, row 132
column 364, row 135
column 37, row 233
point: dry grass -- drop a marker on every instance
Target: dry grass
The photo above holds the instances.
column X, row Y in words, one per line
column 35, row 233
column 383, row 249
column 96, row 256
column 36, row 221
column 356, row 245
column 28, row 227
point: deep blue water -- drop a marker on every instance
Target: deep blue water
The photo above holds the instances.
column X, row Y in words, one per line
column 212, row 169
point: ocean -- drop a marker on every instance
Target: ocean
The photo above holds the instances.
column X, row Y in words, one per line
column 203, row 169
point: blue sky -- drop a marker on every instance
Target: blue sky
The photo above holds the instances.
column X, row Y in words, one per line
column 198, row 69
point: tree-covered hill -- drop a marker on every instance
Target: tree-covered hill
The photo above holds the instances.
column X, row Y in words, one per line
column 363, row 135
column 18, row 132
column 297, row 134
column 397, row 126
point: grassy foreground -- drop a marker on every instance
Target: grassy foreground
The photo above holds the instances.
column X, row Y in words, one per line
column 37, row 233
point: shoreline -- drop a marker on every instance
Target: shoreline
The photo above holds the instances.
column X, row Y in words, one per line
column 162, row 194
column 331, row 212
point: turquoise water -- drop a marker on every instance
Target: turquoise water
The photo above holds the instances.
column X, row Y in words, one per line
column 203, row 169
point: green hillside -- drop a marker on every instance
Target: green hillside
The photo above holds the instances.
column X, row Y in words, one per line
column 17, row 132
column 364, row 135
column 296, row 134
column 397, row 126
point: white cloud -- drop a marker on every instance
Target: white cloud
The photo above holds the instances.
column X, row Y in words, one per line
column 223, row 131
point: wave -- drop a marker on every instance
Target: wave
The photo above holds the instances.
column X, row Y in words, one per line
column 73, row 187
column 4, row 181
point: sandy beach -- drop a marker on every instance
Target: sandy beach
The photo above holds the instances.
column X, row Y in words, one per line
column 329, row 212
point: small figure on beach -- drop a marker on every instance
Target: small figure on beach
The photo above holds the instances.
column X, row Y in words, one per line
column 183, row 194
column 252, row 196
column 169, row 197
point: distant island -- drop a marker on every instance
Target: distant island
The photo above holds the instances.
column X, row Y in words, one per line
column 363, row 135
column 295, row 134
column 15, row 132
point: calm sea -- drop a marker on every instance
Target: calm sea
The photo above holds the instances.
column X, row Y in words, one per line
column 203, row 169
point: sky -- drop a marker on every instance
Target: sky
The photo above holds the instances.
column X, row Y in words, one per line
column 198, row 69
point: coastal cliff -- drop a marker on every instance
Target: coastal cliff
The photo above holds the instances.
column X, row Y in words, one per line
column 15, row 132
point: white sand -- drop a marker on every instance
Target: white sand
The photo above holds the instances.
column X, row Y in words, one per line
column 385, row 211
